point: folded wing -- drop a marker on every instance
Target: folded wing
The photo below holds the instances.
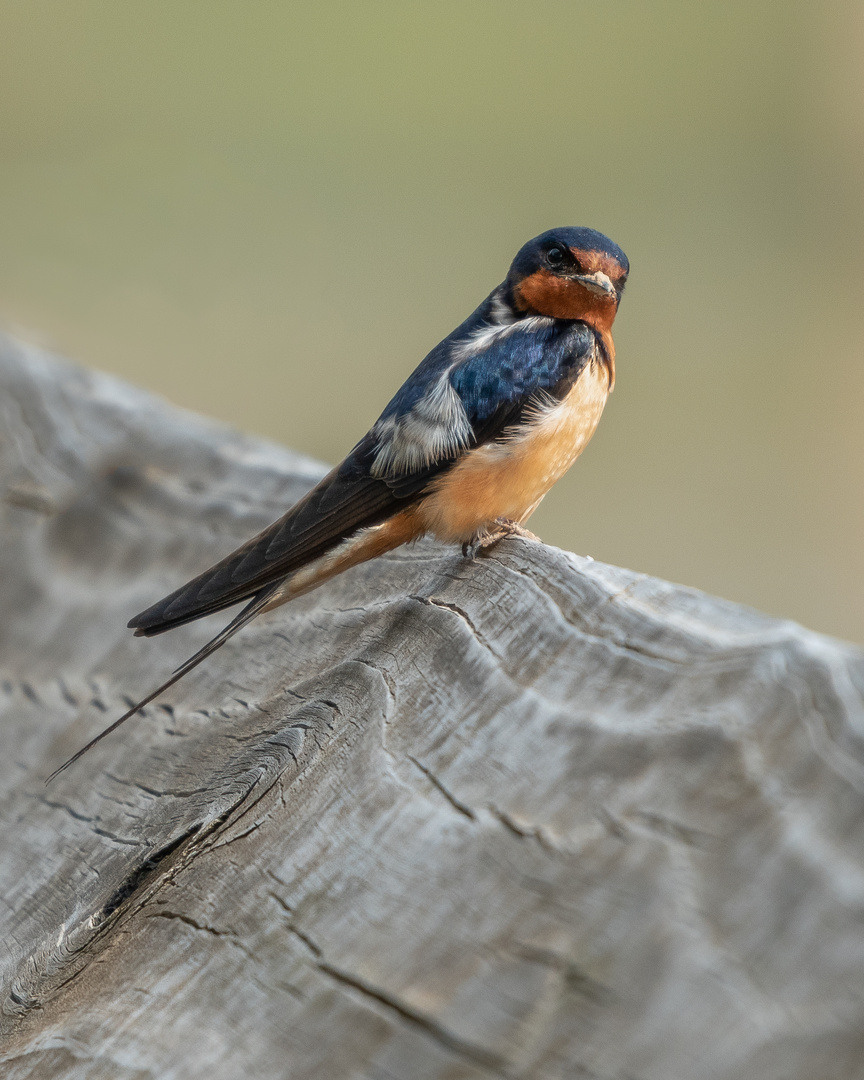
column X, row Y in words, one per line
column 465, row 394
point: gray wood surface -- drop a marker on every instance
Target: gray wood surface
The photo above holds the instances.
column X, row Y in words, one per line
column 529, row 817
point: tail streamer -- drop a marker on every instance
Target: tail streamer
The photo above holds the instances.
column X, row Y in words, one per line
column 257, row 604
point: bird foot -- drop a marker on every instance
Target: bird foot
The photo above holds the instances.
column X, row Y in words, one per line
column 503, row 527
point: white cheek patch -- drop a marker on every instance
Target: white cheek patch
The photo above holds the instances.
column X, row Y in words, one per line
column 436, row 427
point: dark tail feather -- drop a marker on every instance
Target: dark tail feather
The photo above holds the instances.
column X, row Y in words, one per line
column 248, row 613
column 200, row 613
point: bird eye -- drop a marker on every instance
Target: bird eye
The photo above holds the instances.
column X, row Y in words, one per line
column 555, row 256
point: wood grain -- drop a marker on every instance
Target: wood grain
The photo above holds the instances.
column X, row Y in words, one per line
column 528, row 817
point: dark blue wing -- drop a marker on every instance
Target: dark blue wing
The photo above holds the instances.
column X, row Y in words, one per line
column 538, row 356
column 493, row 376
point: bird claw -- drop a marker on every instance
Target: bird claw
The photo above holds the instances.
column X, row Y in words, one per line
column 513, row 528
column 504, row 528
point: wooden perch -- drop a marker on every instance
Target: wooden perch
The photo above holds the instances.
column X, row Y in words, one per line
column 529, row 817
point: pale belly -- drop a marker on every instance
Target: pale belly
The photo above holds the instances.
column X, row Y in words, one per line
column 508, row 479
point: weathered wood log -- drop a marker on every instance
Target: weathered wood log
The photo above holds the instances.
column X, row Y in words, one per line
column 529, row 816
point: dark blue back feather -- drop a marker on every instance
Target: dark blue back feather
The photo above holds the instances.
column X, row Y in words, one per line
column 523, row 363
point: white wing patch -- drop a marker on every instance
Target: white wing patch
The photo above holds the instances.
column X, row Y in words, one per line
column 436, row 427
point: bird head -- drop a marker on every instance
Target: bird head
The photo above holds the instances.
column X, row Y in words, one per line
column 569, row 274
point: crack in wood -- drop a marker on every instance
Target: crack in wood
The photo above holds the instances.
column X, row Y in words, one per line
column 478, row 1055
column 457, row 804
column 575, row 977
column 230, row 936
column 434, row 601
column 527, row 832
column 596, row 633
column 143, row 873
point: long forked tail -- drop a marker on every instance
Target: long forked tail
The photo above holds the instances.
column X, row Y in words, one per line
column 254, row 607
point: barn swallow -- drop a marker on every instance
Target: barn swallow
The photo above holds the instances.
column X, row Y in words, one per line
column 470, row 444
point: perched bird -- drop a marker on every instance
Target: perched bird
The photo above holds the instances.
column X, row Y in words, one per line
column 470, row 444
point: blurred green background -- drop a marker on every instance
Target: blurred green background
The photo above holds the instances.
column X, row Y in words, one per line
column 269, row 212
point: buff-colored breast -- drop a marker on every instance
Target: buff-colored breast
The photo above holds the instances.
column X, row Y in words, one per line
column 509, row 478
